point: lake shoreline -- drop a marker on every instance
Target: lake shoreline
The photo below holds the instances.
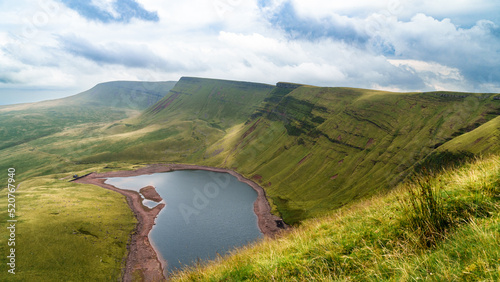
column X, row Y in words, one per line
column 142, row 254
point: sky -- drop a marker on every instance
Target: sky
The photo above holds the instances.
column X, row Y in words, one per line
column 54, row 48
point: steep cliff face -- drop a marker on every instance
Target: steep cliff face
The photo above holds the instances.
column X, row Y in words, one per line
column 222, row 103
column 316, row 149
column 313, row 149
column 288, row 85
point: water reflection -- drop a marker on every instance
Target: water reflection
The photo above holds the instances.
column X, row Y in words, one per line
column 206, row 213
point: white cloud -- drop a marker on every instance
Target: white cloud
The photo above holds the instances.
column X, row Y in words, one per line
column 436, row 76
column 325, row 8
column 420, row 66
column 396, row 44
column 464, row 11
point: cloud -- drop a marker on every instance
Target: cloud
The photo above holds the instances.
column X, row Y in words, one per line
column 463, row 12
column 436, row 76
column 474, row 52
column 396, row 31
column 333, row 26
column 135, row 56
column 324, row 62
column 111, row 11
column 395, row 45
column 6, row 80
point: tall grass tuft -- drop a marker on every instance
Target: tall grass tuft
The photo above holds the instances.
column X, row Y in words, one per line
column 436, row 203
column 426, row 213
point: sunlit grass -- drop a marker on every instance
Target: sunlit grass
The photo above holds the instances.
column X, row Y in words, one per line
column 353, row 143
column 79, row 232
column 372, row 240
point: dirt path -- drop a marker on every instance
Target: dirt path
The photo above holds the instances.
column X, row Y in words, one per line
column 143, row 258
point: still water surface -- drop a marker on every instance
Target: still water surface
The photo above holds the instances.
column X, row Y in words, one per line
column 206, row 213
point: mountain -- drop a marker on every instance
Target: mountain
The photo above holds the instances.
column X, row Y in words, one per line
column 221, row 103
column 136, row 95
column 388, row 237
column 192, row 116
column 105, row 102
column 314, row 150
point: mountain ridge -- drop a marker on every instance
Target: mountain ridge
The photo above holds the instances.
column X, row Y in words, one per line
column 313, row 149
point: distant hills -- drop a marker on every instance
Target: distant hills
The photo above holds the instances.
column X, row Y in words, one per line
column 123, row 94
column 313, row 149
column 103, row 103
column 222, row 103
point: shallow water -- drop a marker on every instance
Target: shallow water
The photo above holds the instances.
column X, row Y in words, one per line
column 206, row 213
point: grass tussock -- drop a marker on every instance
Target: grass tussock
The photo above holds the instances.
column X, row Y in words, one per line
column 426, row 213
column 443, row 227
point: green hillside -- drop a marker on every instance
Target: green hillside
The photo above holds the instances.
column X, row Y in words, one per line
column 482, row 140
column 104, row 103
column 317, row 149
column 219, row 103
column 192, row 116
column 313, row 149
column 136, row 95
column 442, row 227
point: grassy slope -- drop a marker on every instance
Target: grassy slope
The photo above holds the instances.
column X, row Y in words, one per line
column 194, row 115
column 72, row 220
column 137, row 95
column 206, row 122
column 371, row 240
column 104, row 103
column 79, row 232
column 221, row 103
column 316, row 149
column 483, row 140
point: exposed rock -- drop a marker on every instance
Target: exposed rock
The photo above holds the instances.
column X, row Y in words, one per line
column 288, row 85
column 149, row 192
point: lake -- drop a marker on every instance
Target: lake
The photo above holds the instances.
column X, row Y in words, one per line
column 206, row 213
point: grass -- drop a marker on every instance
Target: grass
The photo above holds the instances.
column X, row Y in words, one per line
column 313, row 149
column 482, row 140
column 104, row 103
column 316, row 149
column 381, row 238
column 79, row 232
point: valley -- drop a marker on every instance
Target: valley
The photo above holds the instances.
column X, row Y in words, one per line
column 323, row 156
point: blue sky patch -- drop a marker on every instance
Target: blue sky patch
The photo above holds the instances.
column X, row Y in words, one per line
column 311, row 29
column 125, row 10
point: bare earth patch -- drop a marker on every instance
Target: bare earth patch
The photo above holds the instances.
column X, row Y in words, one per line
column 149, row 192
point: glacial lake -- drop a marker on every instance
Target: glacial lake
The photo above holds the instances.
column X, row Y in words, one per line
column 206, row 213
